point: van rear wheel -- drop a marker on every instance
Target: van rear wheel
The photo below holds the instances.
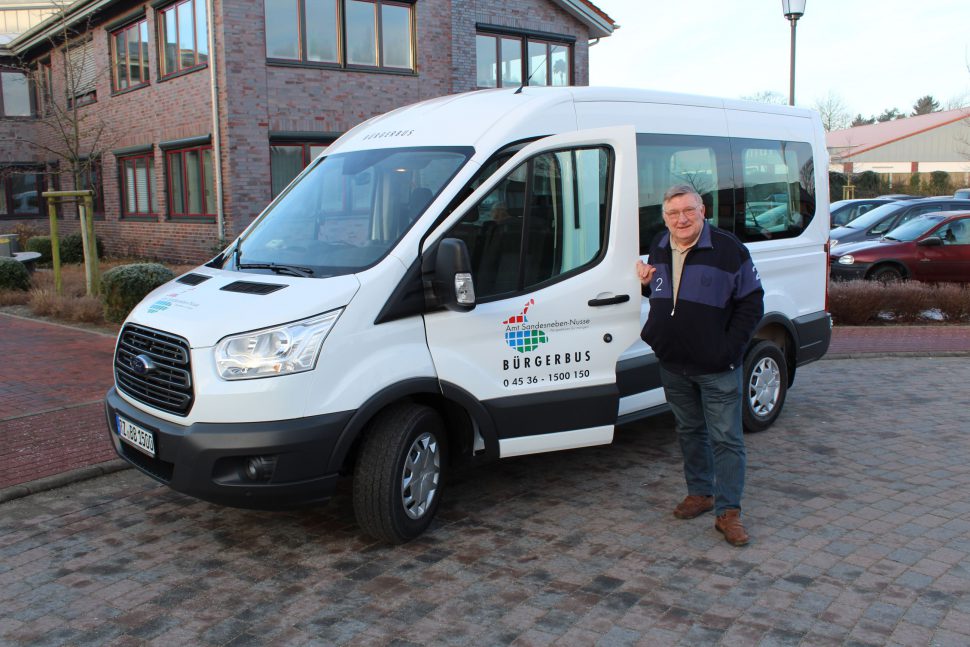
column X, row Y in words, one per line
column 765, row 386
column 398, row 476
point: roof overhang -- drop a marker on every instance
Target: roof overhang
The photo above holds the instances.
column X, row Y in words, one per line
column 600, row 25
column 51, row 30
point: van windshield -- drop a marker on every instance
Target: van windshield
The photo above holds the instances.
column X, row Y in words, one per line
column 348, row 210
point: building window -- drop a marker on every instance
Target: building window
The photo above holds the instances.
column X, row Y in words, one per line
column 137, row 196
column 190, row 176
column 129, row 56
column 510, row 61
column 351, row 33
column 287, row 160
column 15, row 95
column 20, row 191
column 81, row 74
column 184, row 36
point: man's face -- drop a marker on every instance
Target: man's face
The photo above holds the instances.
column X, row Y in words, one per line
column 684, row 217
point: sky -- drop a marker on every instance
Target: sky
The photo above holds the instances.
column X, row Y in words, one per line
column 871, row 54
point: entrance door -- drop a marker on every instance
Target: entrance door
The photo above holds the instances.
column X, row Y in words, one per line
column 553, row 236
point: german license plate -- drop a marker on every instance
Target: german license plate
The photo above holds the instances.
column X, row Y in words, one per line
column 136, row 436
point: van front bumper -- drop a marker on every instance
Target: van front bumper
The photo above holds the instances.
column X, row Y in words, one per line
column 209, row 460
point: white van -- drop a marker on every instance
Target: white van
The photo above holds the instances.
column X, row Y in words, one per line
column 455, row 281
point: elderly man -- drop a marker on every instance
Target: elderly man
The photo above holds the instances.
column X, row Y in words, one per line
column 705, row 301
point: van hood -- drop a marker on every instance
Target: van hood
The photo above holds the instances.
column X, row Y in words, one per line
column 224, row 303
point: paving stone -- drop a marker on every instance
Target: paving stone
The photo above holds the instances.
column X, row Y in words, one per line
column 575, row 548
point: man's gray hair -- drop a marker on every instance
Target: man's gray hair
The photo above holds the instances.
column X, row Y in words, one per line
column 682, row 189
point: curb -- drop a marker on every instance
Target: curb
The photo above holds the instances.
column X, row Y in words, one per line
column 909, row 354
column 60, row 480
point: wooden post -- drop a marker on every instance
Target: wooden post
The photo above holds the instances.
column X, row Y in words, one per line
column 93, row 247
column 82, row 213
column 55, row 246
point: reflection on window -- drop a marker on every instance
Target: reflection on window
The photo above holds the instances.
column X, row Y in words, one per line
column 14, row 95
column 759, row 189
column 184, row 29
column 349, row 209
column 190, row 181
column 504, row 61
column 20, row 192
column 372, row 33
column 287, row 160
column 548, row 217
column 129, row 56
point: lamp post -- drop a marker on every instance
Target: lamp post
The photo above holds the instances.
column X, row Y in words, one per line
column 793, row 10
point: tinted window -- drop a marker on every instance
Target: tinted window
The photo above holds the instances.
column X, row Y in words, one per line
column 701, row 162
column 545, row 219
column 777, row 188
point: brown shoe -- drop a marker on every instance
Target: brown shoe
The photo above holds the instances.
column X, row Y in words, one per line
column 693, row 505
column 729, row 524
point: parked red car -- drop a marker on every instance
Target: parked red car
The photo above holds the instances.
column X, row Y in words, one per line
column 933, row 247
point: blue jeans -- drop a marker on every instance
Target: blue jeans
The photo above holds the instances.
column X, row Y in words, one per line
column 707, row 410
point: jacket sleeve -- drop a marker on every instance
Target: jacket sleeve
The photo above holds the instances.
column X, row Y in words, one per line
column 748, row 306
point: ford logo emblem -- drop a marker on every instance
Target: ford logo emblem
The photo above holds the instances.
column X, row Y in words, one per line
column 142, row 364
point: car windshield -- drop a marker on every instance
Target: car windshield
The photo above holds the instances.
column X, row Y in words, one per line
column 348, row 210
column 870, row 218
column 914, row 228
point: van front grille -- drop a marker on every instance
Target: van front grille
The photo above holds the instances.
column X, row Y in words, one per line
column 153, row 367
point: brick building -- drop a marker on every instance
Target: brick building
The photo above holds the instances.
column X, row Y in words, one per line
column 288, row 77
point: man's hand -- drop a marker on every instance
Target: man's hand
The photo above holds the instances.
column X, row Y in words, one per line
column 645, row 272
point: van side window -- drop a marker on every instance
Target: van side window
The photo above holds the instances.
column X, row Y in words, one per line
column 701, row 162
column 777, row 189
column 545, row 220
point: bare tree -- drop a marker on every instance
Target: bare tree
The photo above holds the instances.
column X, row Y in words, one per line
column 833, row 111
column 65, row 130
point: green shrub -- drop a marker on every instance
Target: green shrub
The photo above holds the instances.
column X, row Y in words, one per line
column 72, row 248
column 13, row 275
column 41, row 245
column 124, row 286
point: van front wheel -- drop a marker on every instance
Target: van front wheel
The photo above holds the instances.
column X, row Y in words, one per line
column 398, row 477
column 765, row 386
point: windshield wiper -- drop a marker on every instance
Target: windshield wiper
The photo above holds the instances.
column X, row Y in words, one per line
column 292, row 270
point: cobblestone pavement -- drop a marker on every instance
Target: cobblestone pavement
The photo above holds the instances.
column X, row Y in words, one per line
column 856, row 501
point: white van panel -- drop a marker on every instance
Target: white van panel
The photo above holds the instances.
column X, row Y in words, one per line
column 555, row 442
column 658, row 118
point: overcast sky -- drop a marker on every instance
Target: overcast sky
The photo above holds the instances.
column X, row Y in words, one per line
column 874, row 54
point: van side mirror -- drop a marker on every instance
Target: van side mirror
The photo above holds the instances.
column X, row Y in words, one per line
column 932, row 241
column 453, row 285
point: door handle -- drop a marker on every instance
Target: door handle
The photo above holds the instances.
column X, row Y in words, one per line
column 609, row 301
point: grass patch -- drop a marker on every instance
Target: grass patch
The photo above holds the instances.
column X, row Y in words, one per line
column 72, row 305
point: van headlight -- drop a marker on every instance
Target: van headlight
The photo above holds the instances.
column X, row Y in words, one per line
column 848, row 259
column 282, row 350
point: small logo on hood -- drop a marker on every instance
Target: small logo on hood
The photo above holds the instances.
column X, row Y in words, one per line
column 142, row 364
column 158, row 306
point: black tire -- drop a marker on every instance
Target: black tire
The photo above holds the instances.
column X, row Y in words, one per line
column 388, row 504
column 886, row 274
column 764, row 387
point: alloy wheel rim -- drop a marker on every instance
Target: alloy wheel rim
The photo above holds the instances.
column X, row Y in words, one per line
column 420, row 476
column 764, row 387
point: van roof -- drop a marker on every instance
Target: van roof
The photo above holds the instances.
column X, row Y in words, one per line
column 511, row 114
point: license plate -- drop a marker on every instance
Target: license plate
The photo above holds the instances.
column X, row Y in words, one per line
column 136, row 436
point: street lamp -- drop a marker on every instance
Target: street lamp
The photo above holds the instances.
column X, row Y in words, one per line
column 793, row 10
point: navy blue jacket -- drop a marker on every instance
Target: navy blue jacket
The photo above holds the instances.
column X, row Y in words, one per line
column 719, row 303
